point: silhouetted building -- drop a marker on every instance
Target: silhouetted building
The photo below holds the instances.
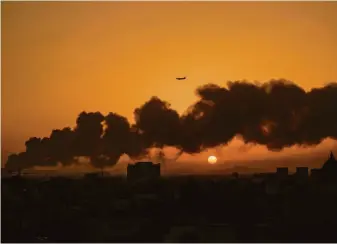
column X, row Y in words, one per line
column 282, row 173
column 143, row 171
column 302, row 173
column 314, row 172
column 330, row 165
column 328, row 170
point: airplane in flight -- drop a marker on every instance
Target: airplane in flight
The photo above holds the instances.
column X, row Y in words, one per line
column 181, row 78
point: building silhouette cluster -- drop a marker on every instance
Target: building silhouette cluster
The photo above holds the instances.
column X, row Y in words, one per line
column 151, row 171
column 145, row 207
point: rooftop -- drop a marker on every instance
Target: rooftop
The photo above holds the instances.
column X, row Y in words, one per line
column 331, row 162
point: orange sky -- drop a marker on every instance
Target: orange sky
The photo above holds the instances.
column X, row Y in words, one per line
column 60, row 58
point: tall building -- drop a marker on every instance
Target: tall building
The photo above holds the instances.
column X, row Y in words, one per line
column 143, row 171
column 328, row 171
column 331, row 164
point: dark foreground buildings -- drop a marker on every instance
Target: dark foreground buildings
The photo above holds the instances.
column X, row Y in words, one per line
column 143, row 171
column 273, row 208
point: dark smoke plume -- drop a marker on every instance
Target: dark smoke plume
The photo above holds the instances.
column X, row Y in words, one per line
column 276, row 114
column 158, row 123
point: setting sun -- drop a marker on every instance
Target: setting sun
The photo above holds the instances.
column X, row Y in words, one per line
column 212, row 159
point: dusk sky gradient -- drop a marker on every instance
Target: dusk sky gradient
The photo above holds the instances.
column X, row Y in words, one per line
column 60, row 58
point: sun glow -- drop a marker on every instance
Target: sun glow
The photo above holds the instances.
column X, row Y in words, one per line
column 212, row 159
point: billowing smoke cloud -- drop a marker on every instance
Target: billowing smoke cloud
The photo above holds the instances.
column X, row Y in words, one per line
column 276, row 114
column 158, row 123
column 113, row 143
column 88, row 134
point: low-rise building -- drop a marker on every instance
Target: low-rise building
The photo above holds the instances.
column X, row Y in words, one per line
column 282, row 173
column 143, row 171
column 302, row 173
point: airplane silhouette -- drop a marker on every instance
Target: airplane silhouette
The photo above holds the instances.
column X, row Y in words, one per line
column 181, row 78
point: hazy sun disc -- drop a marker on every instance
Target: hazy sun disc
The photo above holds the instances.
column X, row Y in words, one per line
column 212, row 159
